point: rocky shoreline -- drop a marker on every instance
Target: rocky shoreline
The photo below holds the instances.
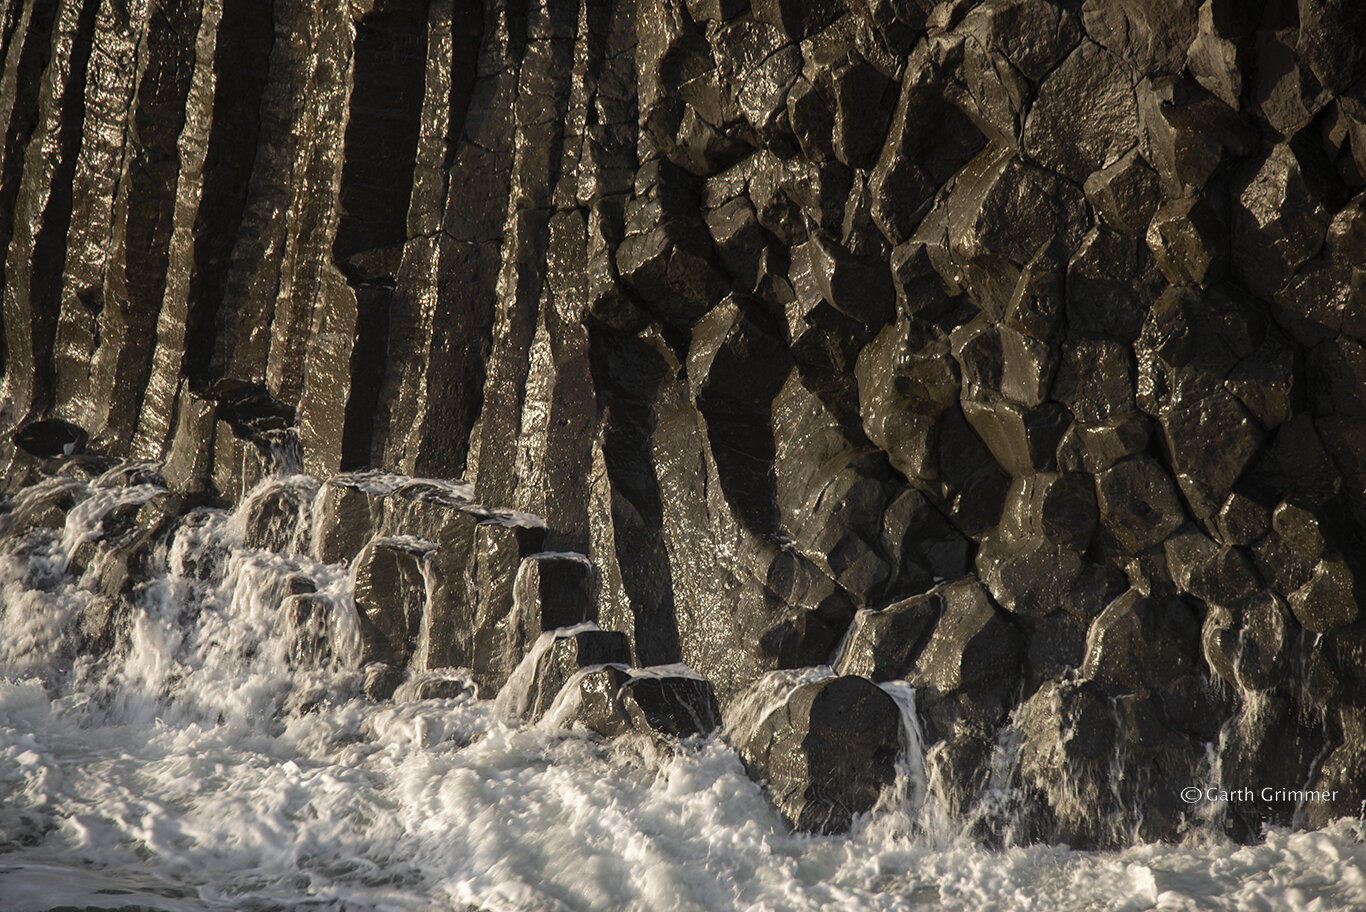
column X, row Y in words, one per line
column 1012, row 348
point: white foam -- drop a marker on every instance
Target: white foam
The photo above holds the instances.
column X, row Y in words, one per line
column 201, row 773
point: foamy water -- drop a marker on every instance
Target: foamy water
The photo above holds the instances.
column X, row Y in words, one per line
column 201, row 772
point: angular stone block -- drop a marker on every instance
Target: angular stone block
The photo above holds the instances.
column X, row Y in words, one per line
column 1138, row 503
column 391, row 597
column 552, row 589
column 826, row 753
column 882, row 645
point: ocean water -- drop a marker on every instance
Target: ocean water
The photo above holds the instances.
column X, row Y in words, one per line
column 199, row 771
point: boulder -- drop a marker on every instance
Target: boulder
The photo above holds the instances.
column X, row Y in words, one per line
column 825, row 752
column 1189, row 242
column 1188, row 132
column 1105, row 768
column 1034, row 35
column 1214, row 574
column 555, row 658
column 1284, row 91
column 1249, row 643
column 1272, row 745
column 279, row 517
column 1112, row 279
column 1095, row 448
column 442, row 514
column 313, row 628
column 1340, row 776
column 351, row 511
column 1057, row 507
column 1139, row 642
column 970, row 661
column 860, row 288
column 1332, row 41
column 1279, row 216
column 501, row 543
column 1151, row 36
column 1329, row 598
column 1138, row 503
column 664, row 703
column 1220, row 57
column 1241, row 520
column 928, row 141
column 1095, row 380
column 1021, row 440
column 795, row 18
column 1125, row 193
column 1085, row 116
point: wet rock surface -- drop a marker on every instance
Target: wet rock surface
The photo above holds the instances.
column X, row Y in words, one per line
column 1014, row 348
column 826, row 752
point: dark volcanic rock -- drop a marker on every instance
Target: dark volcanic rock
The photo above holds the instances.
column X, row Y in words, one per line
column 1188, row 132
column 1138, row 503
column 552, row 590
column 970, row 666
column 391, row 597
column 1124, row 193
column 826, row 751
column 313, row 625
column 554, row 662
column 352, row 509
column 1085, row 116
column 280, row 518
column 1189, row 242
column 501, row 544
column 1152, row 37
column 774, row 311
column 664, row 702
column 882, row 645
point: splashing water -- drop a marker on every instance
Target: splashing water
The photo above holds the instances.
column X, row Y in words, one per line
column 199, row 767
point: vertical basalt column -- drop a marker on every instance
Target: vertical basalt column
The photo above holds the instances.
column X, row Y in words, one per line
column 543, row 95
column 311, row 219
column 245, row 317
column 144, row 209
column 560, row 409
column 243, row 47
column 42, row 210
column 155, row 422
column 22, row 81
column 315, row 319
column 107, row 104
column 439, row 330
column 388, row 116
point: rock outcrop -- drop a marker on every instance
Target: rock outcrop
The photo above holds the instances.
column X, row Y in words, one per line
column 1019, row 346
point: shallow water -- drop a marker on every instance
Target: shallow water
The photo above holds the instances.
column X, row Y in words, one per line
column 202, row 773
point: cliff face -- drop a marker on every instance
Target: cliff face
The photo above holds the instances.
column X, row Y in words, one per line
column 777, row 310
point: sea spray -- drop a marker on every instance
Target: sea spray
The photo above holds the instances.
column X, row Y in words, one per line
column 191, row 768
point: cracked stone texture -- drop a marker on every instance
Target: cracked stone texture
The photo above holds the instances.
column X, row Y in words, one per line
column 781, row 313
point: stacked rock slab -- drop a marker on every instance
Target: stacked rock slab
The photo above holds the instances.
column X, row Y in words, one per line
column 776, row 312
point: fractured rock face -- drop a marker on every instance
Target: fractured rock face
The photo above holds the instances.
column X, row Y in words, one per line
column 826, row 751
column 779, row 314
column 555, row 658
column 664, row 702
column 391, row 597
column 1085, row 116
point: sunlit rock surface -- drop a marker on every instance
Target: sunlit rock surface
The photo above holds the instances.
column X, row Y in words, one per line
column 1015, row 348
